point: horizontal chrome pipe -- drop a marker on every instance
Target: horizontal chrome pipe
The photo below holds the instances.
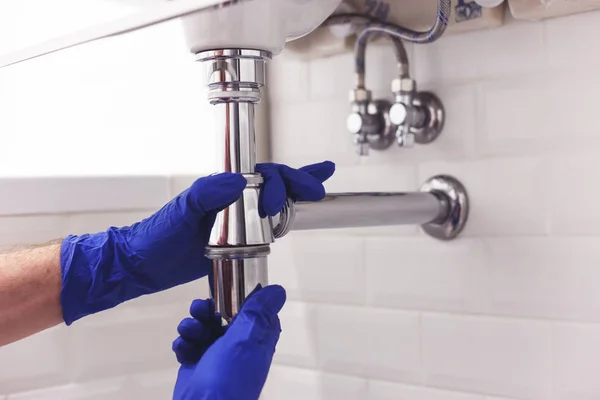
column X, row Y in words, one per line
column 355, row 210
column 441, row 208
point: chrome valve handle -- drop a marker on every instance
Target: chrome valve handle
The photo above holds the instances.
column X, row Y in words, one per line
column 369, row 122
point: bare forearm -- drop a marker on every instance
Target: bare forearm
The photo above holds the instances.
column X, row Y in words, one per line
column 30, row 285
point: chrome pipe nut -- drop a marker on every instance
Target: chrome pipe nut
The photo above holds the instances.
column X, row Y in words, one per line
column 404, row 85
column 360, row 95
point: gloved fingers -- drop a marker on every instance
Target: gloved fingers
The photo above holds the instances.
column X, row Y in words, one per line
column 302, row 186
column 204, row 314
column 281, row 182
column 267, row 301
column 273, row 338
column 273, row 196
column 258, row 319
column 188, row 352
column 253, row 292
column 202, row 310
column 321, row 171
column 248, row 296
column 194, row 330
column 214, row 193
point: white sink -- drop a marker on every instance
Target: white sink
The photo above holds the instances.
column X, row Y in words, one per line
column 208, row 24
column 256, row 24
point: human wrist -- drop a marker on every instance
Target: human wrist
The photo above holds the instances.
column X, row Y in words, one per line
column 29, row 290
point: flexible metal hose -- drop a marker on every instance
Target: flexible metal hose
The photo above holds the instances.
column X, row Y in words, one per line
column 396, row 32
column 360, row 59
column 344, row 18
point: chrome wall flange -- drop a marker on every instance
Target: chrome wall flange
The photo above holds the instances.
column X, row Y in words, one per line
column 455, row 195
column 436, row 117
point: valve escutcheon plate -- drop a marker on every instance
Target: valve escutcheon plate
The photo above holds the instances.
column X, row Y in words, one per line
column 436, row 117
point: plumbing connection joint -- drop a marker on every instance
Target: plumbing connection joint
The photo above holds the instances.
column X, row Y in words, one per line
column 413, row 117
column 240, row 240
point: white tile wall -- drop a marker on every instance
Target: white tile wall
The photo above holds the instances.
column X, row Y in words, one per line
column 22, row 196
column 37, row 361
column 146, row 344
column 447, row 277
column 544, row 277
column 529, row 101
column 577, row 172
column 89, row 391
column 576, row 356
column 496, row 356
column 332, row 272
column 512, row 50
column 497, row 398
column 31, row 229
column 316, row 122
column 563, row 47
column 369, row 342
column 379, row 390
column 299, row 347
column 301, row 384
column 156, row 385
column 510, row 310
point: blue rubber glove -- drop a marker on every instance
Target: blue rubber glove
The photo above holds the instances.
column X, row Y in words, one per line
column 102, row 270
column 304, row 184
column 228, row 363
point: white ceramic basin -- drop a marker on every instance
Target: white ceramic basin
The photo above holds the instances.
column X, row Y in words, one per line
column 208, row 24
column 256, row 24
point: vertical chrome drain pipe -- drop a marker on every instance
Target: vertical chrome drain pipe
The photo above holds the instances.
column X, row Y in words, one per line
column 240, row 240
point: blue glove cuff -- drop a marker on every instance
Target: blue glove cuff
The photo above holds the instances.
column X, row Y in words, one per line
column 92, row 273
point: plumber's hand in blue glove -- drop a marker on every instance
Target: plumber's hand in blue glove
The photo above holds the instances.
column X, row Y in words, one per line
column 228, row 363
column 102, row 270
